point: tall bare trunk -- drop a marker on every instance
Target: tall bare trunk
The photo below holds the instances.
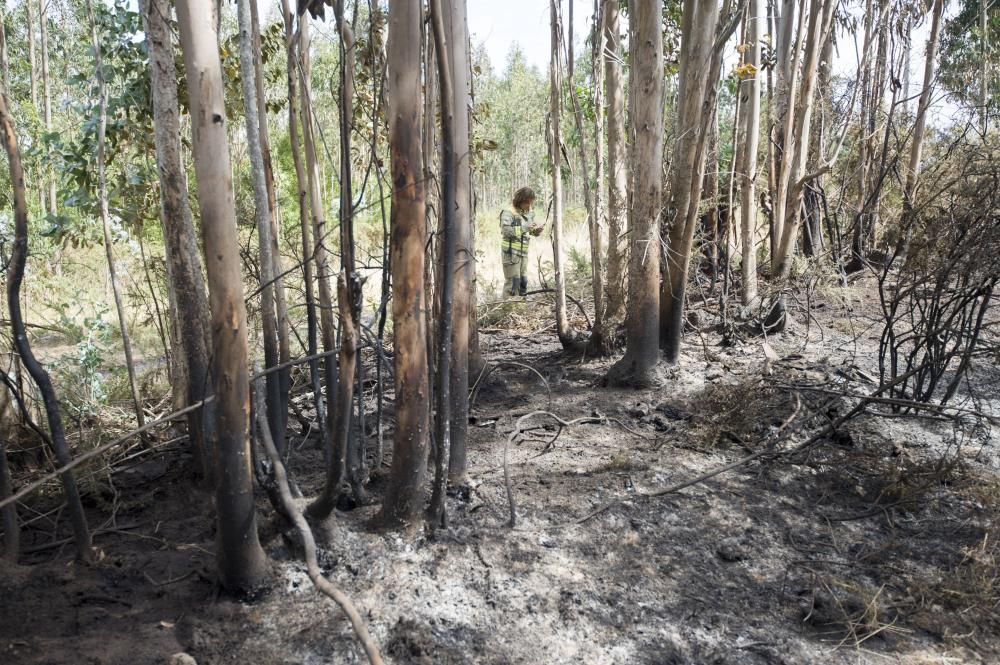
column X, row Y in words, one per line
column 46, row 92
column 405, row 492
column 302, row 196
column 699, row 70
column 11, row 525
column 442, row 442
column 597, row 344
column 710, row 199
column 750, row 121
column 617, row 170
column 791, row 182
column 240, row 558
column 187, row 285
column 32, row 58
column 458, row 43
column 4, row 61
column 642, row 353
column 920, row 123
column 15, row 276
column 102, row 198
column 262, row 217
column 277, row 269
column 555, row 164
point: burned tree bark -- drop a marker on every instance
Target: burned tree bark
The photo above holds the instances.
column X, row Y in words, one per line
column 639, row 366
column 458, row 45
column 405, row 492
column 442, row 442
column 15, row 276
column 240, row 558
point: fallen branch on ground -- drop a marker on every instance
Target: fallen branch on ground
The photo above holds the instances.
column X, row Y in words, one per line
column 518, row 429
column 308, row 541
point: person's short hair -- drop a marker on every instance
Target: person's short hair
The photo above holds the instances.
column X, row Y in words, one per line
column 522, row 197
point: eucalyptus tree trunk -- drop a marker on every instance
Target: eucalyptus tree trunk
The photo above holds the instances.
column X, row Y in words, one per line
column 437, row 516
column 710, row 201
column 4, row 61
column 597, row 345
column 431, row 204
column 350, row 305
column 555, row 164
column 404, row 498
column 699, row 68
column 262, row 218
column 15, row 276
column 277, row 269
column 639, row 366
column 336, row 411
column 102, row 201
column 29, row 8
column 11, row 525
column 32, row 58
column 8, row 515
column 455, row 22
column 617, row 169
column 46, row 92
column 476, row 362
column 750, row 90
column 792, row 180
column 187, row 285
column 812, row 229
column 240, row 558
column 302, row 196
column 598, row 249
column 919, row 127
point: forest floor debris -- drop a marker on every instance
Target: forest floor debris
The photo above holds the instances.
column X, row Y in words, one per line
column 882, row 545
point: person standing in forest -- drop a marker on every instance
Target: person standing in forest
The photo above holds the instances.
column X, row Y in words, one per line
column 517, row 225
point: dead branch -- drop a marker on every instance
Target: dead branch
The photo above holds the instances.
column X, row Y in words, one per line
column 308, row 540
column 518, row 429
column 490, row 368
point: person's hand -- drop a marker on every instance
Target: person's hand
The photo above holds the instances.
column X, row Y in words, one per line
column 536, row 230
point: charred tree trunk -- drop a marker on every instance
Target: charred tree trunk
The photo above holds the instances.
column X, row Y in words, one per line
column 458, row 44
column 404, row 496
column 442, row 438
column 639, row 366
column 240, row 558
column 15, row 275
